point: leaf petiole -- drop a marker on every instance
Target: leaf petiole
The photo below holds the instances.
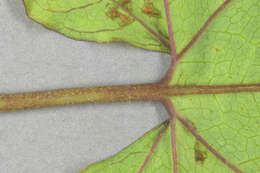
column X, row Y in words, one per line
column 121, row 93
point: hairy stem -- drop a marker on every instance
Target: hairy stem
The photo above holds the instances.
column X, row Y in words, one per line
column 145, row 92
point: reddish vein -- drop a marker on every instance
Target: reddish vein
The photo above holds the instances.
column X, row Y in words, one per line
column 204, row 142
column 166, row 79
column 203, row 29
column 170, row 31
column 170, row 109
column 154, row 146
column 168, row 75
column 69, row 10
column 149, row 29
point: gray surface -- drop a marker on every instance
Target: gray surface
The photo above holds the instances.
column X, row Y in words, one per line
column 67, row 139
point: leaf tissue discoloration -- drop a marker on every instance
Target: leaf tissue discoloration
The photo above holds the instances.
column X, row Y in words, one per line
column 122, row 19
column 150, row 10
column 200, row 153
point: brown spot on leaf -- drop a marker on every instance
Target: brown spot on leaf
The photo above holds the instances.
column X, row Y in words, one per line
column 200, row 153
column 149, row 9
column 124, row 19
column 200, row 156
column 113, row 13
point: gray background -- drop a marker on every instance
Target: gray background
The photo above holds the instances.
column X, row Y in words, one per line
column 67, row 139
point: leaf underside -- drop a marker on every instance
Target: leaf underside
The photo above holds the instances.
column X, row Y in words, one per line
column 227, row 53
column 129, row 159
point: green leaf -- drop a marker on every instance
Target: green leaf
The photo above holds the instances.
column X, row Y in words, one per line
column 229, row 122
column 99, row 20
column 227, row 53
column 131, row 158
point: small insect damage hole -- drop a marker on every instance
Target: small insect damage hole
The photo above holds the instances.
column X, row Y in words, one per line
column 200, row 153
column 150, row 10
column 116, row 14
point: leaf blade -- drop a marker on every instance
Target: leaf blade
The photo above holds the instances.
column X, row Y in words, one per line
column 101, row 21
column 131, row 158
column 232, row 128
